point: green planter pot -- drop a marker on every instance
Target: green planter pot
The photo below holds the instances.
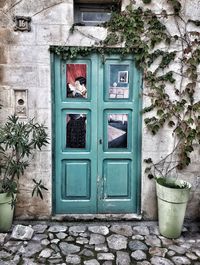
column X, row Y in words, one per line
column 6, row 212
column 172, row 204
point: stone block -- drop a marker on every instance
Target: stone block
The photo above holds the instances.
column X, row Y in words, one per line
column 3, row 54
column 83, row 36
column 96, row 239
column 121, row 229
column 30, row 54
column 2, row 70
column 48, row 34
column 117, row 242
column 73, row 259
column 23, row 76
column 25, row 38
column 6, row 96
column 2, row 238
column 103, row 230
column 123, row 258
column 105, row 256
column 139, row 255
column 39, row 98
column 42, row 161
column 5, row 20
column 39, row 228
column 44, row 76
column 2, row 3
column 33, row 206
column 192, row 9
column 21, row 232
column 6, row 36
column 68, row 248
column 58, row 229
column 61, row 13
column 37, row 208
column 35, row 7
column 46, row 253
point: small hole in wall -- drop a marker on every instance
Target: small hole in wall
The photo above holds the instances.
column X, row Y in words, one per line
column 20, row 101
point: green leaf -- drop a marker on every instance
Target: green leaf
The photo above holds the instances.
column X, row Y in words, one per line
column 160, row 112
column 147, row 169
column 148, row 160
column 38, row 188
column 148, row 109
column 150, row 176
column 146, row 1
column 189, row 148
column 171, row 123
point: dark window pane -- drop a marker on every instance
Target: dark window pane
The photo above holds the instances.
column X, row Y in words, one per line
column 95, row 16
column 117, row 130
column 76, row 80
column 76, row 131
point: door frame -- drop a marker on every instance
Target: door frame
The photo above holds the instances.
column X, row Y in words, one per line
column 54, row 57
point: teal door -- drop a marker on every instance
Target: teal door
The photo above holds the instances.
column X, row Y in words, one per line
column 96, row 135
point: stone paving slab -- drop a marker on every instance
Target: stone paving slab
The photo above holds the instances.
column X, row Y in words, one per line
column 105, row 243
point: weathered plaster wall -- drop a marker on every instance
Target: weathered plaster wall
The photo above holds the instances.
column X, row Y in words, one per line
column 25, row 64
column 156, row 147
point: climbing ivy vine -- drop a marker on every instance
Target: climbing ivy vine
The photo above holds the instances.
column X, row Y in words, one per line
column 173, row 103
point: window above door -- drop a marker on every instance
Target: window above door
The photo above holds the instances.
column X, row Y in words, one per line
column 93, row 13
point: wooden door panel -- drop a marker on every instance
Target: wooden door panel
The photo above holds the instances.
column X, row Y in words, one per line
column 76, row 180
column 117, row 179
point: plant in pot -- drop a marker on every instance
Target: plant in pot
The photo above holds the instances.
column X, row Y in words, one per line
column 18, row 142
column 172, row 195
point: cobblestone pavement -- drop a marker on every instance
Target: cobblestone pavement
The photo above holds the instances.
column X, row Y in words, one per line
column 96, row 243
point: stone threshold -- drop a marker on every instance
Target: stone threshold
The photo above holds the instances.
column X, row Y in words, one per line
column 82, row 218
column 96, row 217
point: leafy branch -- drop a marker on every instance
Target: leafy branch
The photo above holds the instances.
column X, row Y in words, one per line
column 18, row 141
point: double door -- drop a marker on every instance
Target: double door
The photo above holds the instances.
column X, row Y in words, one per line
column 96, row 135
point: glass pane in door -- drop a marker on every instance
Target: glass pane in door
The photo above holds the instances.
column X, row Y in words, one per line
column 119, row 81
column 117, row 130
column 76, row 130
column 76, row 81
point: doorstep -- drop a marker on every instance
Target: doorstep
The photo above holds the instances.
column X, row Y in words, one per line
column 96, row 217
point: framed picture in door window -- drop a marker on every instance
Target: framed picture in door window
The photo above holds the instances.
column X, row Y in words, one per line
column 123, row 77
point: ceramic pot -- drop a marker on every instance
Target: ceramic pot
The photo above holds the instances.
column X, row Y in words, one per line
column 6, row 212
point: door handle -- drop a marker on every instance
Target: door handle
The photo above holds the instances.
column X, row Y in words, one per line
column 100, row 141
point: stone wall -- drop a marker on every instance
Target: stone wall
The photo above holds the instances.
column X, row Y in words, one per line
column 25, row 65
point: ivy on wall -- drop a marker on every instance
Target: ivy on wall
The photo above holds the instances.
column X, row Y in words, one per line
column 72, row 52
column 171, row 93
